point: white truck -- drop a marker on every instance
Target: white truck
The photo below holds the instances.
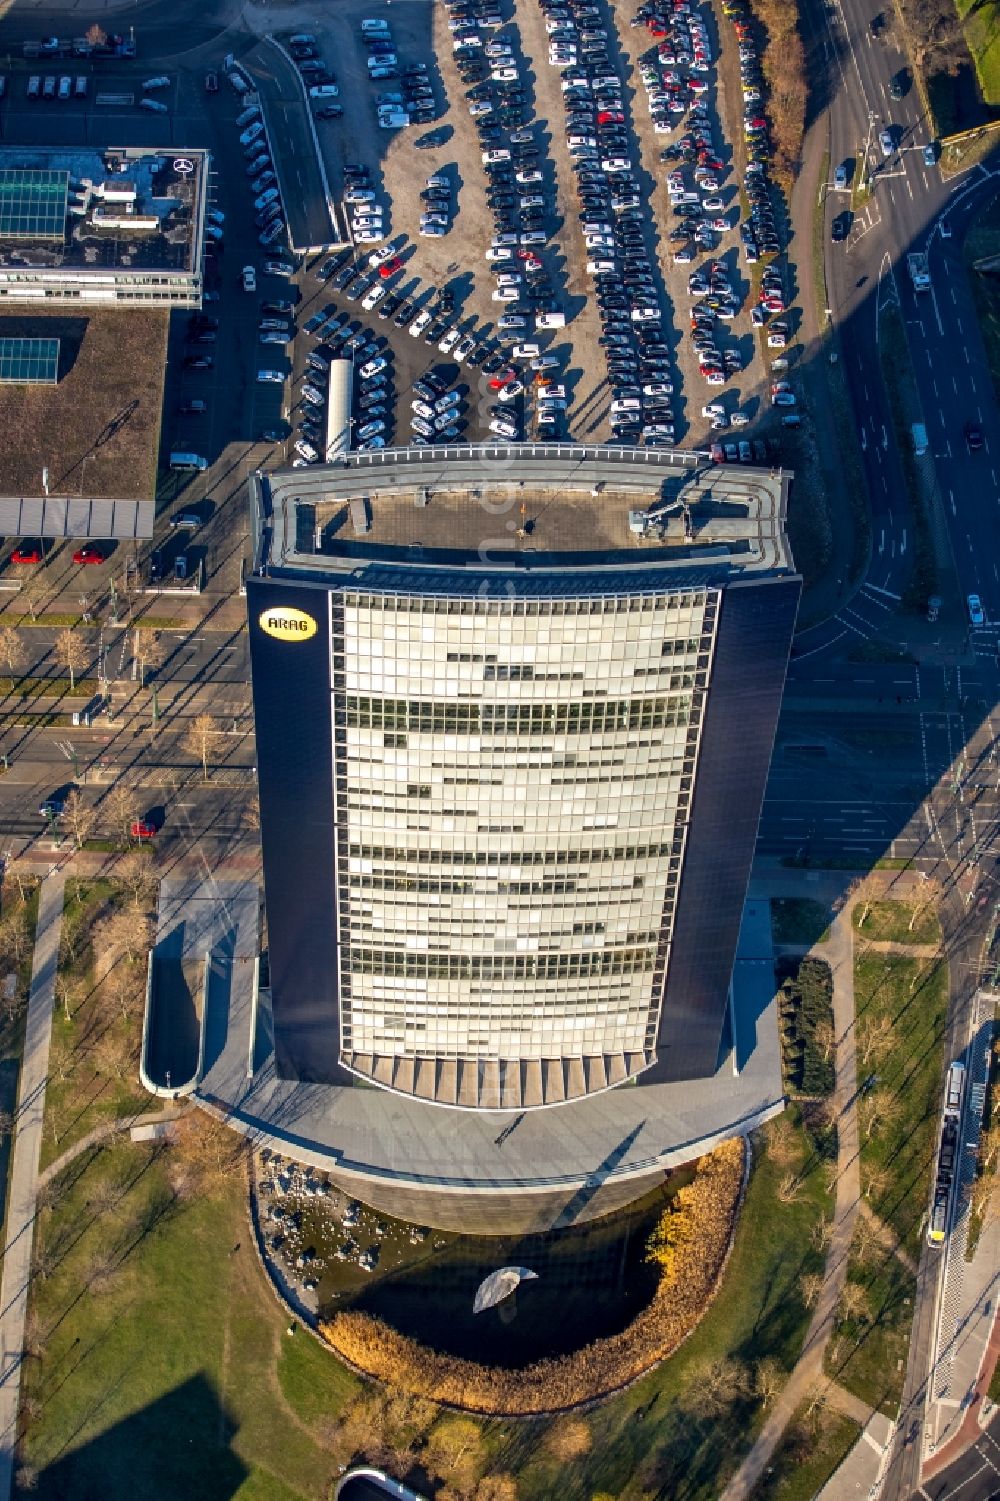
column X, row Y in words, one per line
column 920, row 274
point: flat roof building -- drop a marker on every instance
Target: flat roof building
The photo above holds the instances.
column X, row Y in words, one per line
column 513, row 731
column 84, row 225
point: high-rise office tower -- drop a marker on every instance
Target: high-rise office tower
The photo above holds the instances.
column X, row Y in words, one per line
column 513, row 739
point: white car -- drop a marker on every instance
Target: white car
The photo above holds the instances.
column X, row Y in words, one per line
column 447, row 343
column 740, row 419
column 359, row 195
column 500, row 240
column 372, row 298
column 977, row 615
column 506, row 294
column 508, row 279
column 497, row 154
column 421, row 426
column 433, row 231
column 270, row 377
column 534, row 237
column 527, row 177
column 373, row 367
column 464, row 348
column 423, row 409
column 511, row 391
column 658, row 388
column 249, row 275
column 499, row 253
column 504, row 75
column 545, row 362
column 379, row 257
column 528, row 351
column 503, row 429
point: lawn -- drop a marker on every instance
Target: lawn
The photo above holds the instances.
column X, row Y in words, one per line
column 897, row 922
column 94, row 1053
column 181, row 1355
column 799, row 919
column 868, row 1354
column 177, row 1353
column 899, row 1113
column 813, row 1445
column 981, row 25
column 904, row 404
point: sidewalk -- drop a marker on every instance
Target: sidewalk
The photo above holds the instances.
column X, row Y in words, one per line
column 20, row 1227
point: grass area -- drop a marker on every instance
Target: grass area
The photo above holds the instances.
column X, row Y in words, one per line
column 904, row 404
column 990, row 1118
column 157, row 1341
column 180, row 1336
column 49, row 687
column 95, row 1048
column 813, row 1445
column 981, row 25
column 98, row 428
column 897, row 922
column 994, row 1391
column 907, row 999
column 799, row 919
column 868, row 1350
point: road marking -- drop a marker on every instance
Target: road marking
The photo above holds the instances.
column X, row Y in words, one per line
column 951, row 497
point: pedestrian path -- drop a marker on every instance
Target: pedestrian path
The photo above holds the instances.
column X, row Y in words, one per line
column 20, row 1227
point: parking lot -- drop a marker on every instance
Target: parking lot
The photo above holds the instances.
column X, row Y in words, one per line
column 581, row 158
column 547, row 208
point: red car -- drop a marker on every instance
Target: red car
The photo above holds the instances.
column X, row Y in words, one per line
column 88, row 554
column 390, row 268
column 140, row 829
column 610, row 117
column 26, row 555
column 501, row 379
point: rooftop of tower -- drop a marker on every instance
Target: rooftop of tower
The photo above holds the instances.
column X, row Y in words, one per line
column 549, row 508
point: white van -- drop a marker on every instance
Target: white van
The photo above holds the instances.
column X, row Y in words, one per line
column 324, row 91
column 374, row 28
column 188, row 461
column 393, row 119
column 550, row 320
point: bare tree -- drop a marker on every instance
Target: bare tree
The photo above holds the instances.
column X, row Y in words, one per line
column 811, row 1286
column 11, row 647
column 717, row 1385
column 73, row 653
column 782, row 1142
column 874, row 1036
column 200, row 739
column 133, row 870
column 251, row 813
column 124, row 988
column 768, row 1379
column 79, row 818
column 877, row 1183
column 878, row 1110
column 17, row 867
column 32, row 591
column 127, row 931
column 790, row 1188
column 989, row 1147
column 119, row 808
column 96, row 35
column 496, row 1488
column 865, row 893
column 867, row 1247
column 926, row 898
column 854, row 1302
column 69, row 994
column 150, row 650
column 824, row 1038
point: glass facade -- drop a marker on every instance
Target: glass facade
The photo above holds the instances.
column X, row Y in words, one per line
column 512, row 786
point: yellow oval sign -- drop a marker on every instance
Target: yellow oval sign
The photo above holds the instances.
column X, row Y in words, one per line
column 285, row 624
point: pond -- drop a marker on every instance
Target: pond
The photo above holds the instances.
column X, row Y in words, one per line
column 592, row 1279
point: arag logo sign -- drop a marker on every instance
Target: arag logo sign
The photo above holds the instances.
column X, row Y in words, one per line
column 285, row 624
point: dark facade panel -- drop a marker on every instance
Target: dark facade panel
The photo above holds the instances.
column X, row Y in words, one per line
column 748, row 674
column 291, row 689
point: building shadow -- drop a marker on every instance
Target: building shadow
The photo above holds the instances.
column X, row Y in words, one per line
column 178, row 1445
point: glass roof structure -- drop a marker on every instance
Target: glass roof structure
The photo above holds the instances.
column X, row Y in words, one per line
column 33, row 203
column 31, row 362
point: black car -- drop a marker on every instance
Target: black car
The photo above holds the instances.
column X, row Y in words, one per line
column 899, row 84
column 973, row 436
column 840, row 227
